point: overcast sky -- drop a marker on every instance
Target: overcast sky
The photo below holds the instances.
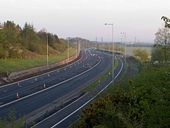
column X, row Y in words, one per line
column 86, row 18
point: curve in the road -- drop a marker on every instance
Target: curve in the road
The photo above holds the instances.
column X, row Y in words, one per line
column 64, row 118
column 22, row 98
column 55, row 125
column 32, row 103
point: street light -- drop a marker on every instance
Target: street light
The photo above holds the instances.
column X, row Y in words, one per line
column 47, row 47
column 124, row 37
column 1, row 27
column 45, row 32
column 68, row 54
column 76, row 48
column 96, row 44
column 113, row 55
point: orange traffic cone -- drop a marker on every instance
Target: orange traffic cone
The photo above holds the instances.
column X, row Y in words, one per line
column 18, row 95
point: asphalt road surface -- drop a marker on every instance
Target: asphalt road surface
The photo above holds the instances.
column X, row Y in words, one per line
column 31, row 94
column 66, row 116
column 29, row 86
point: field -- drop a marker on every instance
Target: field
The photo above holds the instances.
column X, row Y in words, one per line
column 11, row 65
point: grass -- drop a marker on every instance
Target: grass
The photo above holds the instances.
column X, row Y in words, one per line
column 115, row 64
column 11, row 65
column 96, row 83
column 102, row 78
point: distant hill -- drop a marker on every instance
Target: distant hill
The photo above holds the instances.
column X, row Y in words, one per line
column 84, row 43
column 77, row 39
column 17, row 42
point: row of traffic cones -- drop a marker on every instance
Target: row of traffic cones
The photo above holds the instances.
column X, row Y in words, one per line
column 17, row 95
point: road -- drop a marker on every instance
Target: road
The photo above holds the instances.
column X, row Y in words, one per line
column 21, row 89
column 64, row 117
column 81, row 73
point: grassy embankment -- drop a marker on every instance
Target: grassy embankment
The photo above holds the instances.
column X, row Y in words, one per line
column 11, row 64
column 24, row 47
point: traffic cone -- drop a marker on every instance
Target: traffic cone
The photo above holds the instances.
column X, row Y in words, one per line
column 18, row 95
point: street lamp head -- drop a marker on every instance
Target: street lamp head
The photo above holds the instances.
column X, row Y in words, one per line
column 109, row 24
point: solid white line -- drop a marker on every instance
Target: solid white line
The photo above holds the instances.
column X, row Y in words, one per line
column 50, row 86
column 60, row 110
column 90, row 99
column 42, row 74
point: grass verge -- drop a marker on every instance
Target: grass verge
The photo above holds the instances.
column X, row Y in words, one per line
column 11, row 65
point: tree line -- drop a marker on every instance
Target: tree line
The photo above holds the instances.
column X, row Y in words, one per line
column 16, row 42
column 161, row 49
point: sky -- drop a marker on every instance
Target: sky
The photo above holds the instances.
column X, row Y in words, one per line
column 139, row 19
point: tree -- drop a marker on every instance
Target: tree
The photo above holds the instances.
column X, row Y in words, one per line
column 30, row 38
column 161, row 49
column 167, row 21
column 29, row 33
column 162, row 42
column 141, row 55
column 11, row 33
column 10, row 40
column 157, row 55
column 17, row 42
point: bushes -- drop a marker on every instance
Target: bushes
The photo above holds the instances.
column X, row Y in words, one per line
column 142, row 55
column 14, row 40
column 3, row 53
column 37, row 48
column 144, row 103
column 120, row 110
column 11, row 51
column 11, row 121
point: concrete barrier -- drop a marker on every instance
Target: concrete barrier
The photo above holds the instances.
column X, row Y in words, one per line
column 15, row 76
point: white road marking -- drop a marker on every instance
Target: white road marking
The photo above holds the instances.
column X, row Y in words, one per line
column 49, row 87
column 36, row 77
column 122, row 65
column 60, row 110
column 42, row 74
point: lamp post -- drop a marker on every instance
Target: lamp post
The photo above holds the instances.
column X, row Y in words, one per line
column 76, row 48
column 1, row 27
column 68, row 52
column 113, row 55
column 96, row 44
column 47, row 48
column 123, row 34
